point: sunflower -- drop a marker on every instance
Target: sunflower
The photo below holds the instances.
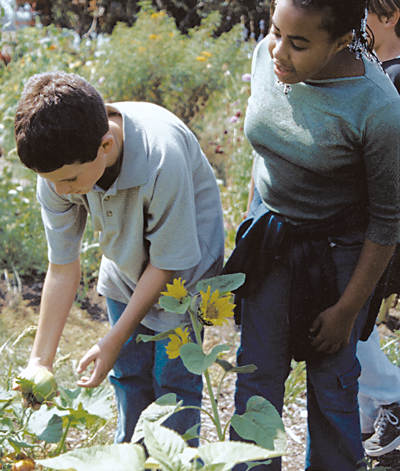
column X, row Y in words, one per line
column 177, row 339
column 214, row 308
column 176, row 289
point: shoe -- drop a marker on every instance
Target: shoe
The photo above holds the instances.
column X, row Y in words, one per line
column 387, row 431
column 366, row 435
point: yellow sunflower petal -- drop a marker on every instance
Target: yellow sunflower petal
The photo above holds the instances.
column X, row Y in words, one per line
column 176, row 289
column 216, row 309
column 177, row 339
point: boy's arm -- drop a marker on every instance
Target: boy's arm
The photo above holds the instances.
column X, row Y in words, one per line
column 105, row 352
column 332, row 328
column 59, row 291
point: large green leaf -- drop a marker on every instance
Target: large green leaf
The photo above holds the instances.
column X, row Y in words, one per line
column 46, row 425
column 195, row 360
column 262, row 424
column 170, row 304
column 86, row 405
column 222, row 283
column 157, row 412
column 117, row 457
column 230, row 453
column 165, row 446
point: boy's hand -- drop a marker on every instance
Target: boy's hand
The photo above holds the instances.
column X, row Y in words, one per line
column 331, row 330
column 103, row 356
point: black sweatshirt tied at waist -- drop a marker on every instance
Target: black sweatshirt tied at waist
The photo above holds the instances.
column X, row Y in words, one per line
column 307, row 249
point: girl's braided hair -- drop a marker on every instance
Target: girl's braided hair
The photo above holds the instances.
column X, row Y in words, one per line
column 341, row 17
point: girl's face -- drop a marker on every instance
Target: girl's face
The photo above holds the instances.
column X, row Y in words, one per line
column 299, row 47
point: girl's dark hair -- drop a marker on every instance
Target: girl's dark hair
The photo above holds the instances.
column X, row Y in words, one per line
column 60, row 120
column 341, row 17
column 385, row 9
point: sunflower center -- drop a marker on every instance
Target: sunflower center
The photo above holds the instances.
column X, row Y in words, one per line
column 212, row 312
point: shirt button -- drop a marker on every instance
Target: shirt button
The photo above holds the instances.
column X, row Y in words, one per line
column 107, row 198
column 109, row 213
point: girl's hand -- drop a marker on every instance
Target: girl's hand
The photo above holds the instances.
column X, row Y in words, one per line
column 331, row 330
column 103, row 356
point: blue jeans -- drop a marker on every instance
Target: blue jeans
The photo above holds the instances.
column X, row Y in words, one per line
column 142, row 373
column 334, row 435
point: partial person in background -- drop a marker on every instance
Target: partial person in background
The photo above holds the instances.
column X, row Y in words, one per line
column 8, row 28
column 24, row 14
column 379, row 394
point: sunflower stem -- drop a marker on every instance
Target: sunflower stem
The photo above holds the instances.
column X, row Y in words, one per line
column 197, row 333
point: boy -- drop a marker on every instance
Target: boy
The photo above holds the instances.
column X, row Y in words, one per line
column 152, row 195
column 379, row 393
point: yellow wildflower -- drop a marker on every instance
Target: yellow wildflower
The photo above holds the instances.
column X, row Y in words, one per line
column 153, row 36
column 215, row 308
column 177, row 339
column 201, row 58
column 176, row 289
column 206, row 53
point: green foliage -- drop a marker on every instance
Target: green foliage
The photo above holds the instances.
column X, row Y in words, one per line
column 153, row 61
column 391, row 347
column 22, row 242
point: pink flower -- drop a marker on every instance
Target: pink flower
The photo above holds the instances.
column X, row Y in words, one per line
column 246, row 78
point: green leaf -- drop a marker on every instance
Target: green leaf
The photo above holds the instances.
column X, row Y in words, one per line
column 165, row 446
column 46, row 425
column 19, row 445
column 170, row 304
column 6, row 396
column 230, row 453
column 160, row 336
column 117, row 457
column 222, row 283
column 229, row 368
column 262, row 424
column 195, row 360
column 192, row 432
column 86, row 405
column 157, row 412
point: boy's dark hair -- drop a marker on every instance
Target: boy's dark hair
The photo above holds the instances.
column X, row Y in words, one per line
column 385, row 9
column 342, row 16
column 60, row 120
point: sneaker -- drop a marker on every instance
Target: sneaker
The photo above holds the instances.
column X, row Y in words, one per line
column 366, row 435
column 387, row 431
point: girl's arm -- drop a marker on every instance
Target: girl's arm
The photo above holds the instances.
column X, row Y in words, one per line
column 332, row 328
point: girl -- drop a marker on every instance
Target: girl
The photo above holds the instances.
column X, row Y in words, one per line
column 324, row 122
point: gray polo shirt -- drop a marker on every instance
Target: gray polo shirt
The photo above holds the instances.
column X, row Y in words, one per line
column 163, row 208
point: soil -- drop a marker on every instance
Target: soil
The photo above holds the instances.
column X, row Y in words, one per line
column 294, row 416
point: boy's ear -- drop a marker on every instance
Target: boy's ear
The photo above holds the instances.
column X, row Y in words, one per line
column 107, row 141
column 392, row 20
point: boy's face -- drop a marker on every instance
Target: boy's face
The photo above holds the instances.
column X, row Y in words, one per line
column 378, row 28
column 78, row 178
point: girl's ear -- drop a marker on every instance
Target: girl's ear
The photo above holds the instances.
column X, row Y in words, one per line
column 344, row 41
